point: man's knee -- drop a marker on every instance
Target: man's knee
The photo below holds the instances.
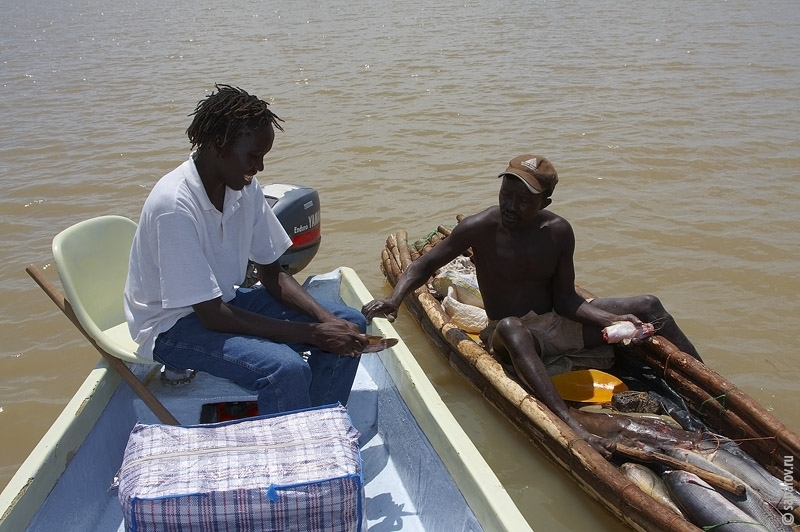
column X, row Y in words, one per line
column 510, row 326
column 296, row 366
column 352, row 315
column 650, row 306
column 513, row 335
column 277, row 363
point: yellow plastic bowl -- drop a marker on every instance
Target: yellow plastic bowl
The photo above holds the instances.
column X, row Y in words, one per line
column 588, row 386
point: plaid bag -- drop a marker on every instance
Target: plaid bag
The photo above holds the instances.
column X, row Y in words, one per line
column 299, row 471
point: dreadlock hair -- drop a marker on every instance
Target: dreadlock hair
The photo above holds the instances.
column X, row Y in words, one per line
column 222, row 116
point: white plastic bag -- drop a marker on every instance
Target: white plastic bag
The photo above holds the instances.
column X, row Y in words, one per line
column 470, row 318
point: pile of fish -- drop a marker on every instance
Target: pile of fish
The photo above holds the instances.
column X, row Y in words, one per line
column 675, row 455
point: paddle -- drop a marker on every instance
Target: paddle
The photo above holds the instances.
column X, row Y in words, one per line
column 124, row 371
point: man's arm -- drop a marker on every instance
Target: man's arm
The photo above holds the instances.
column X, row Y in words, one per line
column 285, row 288
column 329, row 333
column 420, row 271
column 566, row 300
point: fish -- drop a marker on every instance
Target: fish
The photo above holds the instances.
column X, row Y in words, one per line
column 379, row 343
column 706, row 507
column 695, row 458
column 758, row 507
column 621, row 331
column 600, row 409
column 649, row 482
column 740, row 464
column 638, row 432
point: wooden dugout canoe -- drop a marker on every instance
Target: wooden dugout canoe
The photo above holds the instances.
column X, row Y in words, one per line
column 716, row 401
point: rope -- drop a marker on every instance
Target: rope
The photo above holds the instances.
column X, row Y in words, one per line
column 666, row 363
column 731, row 522
column 427, row 240
column 778, row 435
column 761, row 438
column 718, row 440
column 573, row 442
column 572, row 452
column 723, row 396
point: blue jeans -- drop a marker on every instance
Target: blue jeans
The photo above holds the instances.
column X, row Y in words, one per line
column 283, row 380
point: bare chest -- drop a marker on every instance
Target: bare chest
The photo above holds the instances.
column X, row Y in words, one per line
column 525, row 261
column 515, row 279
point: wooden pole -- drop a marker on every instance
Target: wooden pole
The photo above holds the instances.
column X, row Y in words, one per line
column 118, row 365
column 747, row 408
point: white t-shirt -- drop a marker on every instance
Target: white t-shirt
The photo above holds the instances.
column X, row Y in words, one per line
column 185, row 251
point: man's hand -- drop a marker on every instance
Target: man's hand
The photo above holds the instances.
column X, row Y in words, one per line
column 340, row 337
column 631, row 318
column 379, row 306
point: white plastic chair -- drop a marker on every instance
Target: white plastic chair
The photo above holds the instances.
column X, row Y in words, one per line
column 92, row 261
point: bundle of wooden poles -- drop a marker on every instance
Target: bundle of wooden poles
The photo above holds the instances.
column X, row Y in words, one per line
column 724, row 408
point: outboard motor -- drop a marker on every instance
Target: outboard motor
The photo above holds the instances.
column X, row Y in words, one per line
column 298, row 210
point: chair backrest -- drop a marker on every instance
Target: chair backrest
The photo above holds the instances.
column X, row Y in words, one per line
column 92, row 261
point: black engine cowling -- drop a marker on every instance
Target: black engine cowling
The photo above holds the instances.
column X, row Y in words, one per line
column 298, row 209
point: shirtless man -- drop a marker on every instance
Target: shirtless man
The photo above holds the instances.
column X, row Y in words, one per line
column 523, row 257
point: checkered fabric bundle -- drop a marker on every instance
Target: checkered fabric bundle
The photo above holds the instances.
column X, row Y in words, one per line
column 299, row 471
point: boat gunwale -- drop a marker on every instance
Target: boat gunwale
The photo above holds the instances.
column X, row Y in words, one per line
column 485, row 494
column 39, row 472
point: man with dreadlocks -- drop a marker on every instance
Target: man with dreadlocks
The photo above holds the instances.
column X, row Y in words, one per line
column 199, row 226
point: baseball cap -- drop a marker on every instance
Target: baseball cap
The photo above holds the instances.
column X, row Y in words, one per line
column 535, row 171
